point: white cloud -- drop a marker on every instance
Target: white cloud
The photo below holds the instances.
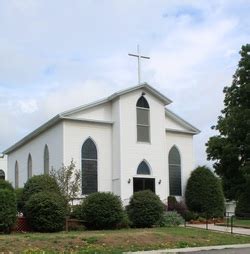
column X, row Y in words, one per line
column 27, row 106
column 52, row 60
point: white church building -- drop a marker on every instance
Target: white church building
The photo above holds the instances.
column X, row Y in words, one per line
column 127, row 142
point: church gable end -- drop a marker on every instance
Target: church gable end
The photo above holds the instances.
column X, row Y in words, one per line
column 174, row 123
column 102, row 112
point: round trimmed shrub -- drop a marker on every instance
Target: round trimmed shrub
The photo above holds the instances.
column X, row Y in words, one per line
column 6, row 185
column 102, row 210
column 45, row 212
column 145, row 209
column 8, row 210
column 204, row 193
column 38, row 184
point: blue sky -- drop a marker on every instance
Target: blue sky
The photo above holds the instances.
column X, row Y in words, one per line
column 59, row 54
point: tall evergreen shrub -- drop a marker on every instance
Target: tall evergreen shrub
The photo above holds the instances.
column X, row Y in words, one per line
column 204, row 193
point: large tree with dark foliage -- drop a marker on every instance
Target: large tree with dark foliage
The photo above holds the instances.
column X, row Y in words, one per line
column 230, row 149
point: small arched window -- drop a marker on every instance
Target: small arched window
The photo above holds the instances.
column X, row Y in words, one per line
column 143, row 169
column 29, row 168
column 89, row 167
column 174, row 160
column 143, row 121
column 46, row 160
column 16, row 175
column 2, row 174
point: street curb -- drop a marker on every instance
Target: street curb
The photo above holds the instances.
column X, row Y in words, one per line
column 193, row 249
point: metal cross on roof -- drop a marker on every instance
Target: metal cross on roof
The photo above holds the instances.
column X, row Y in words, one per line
column 139, row 56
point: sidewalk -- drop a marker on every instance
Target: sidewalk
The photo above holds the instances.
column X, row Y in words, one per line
column 234, row 247
column 236, row 230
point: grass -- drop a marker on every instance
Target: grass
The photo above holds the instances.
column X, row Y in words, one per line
column 244, row 223
column 115, row 241
column 237, row 223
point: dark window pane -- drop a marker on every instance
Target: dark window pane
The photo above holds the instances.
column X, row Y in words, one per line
column 46, row 160
column 29, row 167
column 174, row 156
column 175, row 180
column 89, row 150
column 143, row 169
column 2, row 174
column 89, row 176
column 174, row 172
column 142, row 116
column 142, row 102
column 16, row 175
column 143, row 133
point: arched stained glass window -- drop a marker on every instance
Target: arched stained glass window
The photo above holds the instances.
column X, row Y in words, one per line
column 143, row 169
column 89, row 167
column 29, row 167
column 2, row 174
column 143, row 121
column 16, row 175
column 174, row 160
column 46, row 159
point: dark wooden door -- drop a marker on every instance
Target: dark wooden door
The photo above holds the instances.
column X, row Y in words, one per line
column 140, row 184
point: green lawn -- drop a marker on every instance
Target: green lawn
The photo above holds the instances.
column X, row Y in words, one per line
column 244, row 223
column 237, row 223
column 115, row 241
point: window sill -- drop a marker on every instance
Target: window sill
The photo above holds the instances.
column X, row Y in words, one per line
column 143, row 142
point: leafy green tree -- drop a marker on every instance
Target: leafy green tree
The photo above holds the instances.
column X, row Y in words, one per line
column 68, row 179
column 230, row 149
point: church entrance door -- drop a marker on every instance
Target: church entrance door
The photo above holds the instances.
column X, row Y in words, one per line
column 140, row 184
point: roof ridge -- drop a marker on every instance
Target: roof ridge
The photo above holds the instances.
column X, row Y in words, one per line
column 115, row 95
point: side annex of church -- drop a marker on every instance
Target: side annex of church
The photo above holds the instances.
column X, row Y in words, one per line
column 127, row 142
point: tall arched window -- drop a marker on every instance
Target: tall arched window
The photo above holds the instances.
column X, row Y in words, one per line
column 143, row 122
column 143, row 169
column 89, row 167
column 29, row 168
column 2, row 174
column 46, row 160
column 174, row 160
column 16, row 175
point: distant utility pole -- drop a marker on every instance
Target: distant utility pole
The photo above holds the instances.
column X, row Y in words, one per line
column 139, row 56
